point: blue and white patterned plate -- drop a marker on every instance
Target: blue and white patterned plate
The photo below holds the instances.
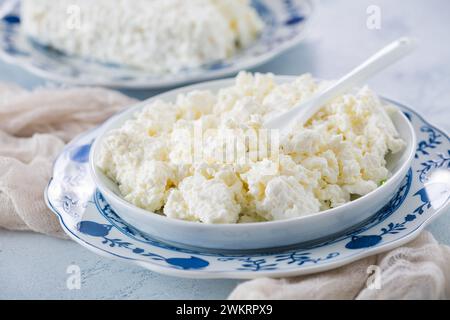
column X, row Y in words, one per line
column 285, row 20
column 89, row 220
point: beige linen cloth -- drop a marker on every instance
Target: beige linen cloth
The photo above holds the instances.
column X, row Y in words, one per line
column 34, row 127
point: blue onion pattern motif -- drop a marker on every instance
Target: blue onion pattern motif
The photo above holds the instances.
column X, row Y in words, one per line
column 300, row 258
column 436, row 194
column 432, row 142
column 295, row 16
column 253, row 264
column 360, row 242
column 95, row 229
column 382, row 214
column 105, row 209
column 442, row 161
column 408, row 115
column 294, row 20
column 81, row 154
column 256, row 264
column 11, row 19
column 188, row 263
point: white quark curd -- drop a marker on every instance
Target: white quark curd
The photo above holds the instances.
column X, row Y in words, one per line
column 160, row 36
column 336, row 156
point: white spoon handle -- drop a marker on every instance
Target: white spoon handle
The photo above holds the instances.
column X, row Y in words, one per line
column 379, row 61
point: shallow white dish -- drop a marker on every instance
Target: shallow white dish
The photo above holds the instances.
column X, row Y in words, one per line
column 249, row 236
column 286, row 23
column 88, row 219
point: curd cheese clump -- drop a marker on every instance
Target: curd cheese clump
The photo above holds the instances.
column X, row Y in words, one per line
column 160, row 36
column 338, row 154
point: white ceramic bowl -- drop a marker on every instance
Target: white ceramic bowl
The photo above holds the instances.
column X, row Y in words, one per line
column 260, row 235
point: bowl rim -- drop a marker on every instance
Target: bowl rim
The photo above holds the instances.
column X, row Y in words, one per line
column 159, row 218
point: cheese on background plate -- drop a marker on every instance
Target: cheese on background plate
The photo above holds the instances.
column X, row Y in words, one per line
column 158, row 36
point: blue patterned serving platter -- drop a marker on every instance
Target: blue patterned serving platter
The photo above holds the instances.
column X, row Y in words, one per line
column 286, row 22
column 88, row 219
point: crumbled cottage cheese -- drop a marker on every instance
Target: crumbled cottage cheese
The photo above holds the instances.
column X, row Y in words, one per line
column 338, row 154
column 159, row 36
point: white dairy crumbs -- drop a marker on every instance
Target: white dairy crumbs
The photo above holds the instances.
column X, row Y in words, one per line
column 338, row 155
column 160, row 36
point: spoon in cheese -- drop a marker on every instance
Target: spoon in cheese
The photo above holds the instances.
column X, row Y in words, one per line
column 301, row 113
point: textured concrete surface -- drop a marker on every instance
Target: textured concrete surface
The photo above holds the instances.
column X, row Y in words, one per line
column 34, row 266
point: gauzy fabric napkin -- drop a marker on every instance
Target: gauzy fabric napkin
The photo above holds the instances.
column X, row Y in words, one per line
column 418, row 270
column 34, row 127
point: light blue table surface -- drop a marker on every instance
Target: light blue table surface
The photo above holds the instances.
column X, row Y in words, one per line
column 34, row 266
